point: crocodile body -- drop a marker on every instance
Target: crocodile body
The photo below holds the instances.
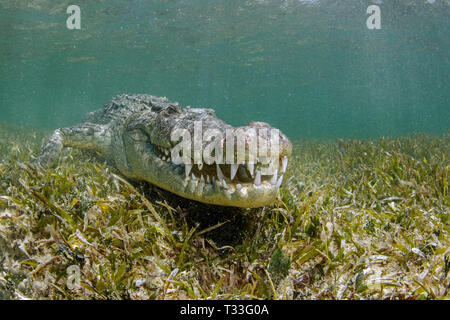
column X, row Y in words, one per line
column 134, row 132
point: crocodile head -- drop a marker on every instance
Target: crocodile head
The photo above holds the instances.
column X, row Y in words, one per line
column 241, row 179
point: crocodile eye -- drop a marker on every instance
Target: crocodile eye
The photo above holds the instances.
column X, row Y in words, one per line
column 172, row 109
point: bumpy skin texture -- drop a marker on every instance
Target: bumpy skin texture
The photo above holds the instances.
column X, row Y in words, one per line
column 134, row 132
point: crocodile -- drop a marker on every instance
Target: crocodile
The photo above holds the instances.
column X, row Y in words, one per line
column 133, row 131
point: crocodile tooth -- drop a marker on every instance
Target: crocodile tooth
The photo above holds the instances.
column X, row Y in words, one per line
column 224, row 184
column 238, row 187
column 285, row 163
column 202, row 180
column 200, row 166
column 251, row 168
column 234, row 168
column 208, row 179
column 193, row 176
column 220, row 175
column 164, row 158
column 188, row 168
column 280, row 180
column 274, row 177
column 258, row 178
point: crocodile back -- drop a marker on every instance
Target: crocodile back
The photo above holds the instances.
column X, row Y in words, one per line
column 124, row 105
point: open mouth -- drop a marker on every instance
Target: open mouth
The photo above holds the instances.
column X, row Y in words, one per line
column 229, row 176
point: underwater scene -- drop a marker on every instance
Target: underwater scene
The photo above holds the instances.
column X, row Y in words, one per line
column 225, row 150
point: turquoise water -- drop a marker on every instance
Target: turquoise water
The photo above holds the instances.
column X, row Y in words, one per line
column 311, row 68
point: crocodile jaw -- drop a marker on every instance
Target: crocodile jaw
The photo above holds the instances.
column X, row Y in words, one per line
column 204, row 184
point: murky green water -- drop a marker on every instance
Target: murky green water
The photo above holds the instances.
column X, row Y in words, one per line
column 311, row 68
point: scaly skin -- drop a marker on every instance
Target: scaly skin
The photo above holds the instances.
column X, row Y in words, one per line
column 134, row 131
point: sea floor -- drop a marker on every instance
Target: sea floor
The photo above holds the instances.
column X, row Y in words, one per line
column 354, row 220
